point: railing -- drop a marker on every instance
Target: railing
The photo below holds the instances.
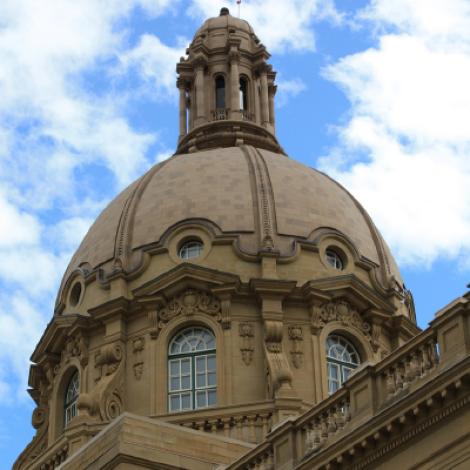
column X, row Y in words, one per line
column 324, row 421
column 246, row 115
column 410, row 363
column 219, row 114
column 369, row 392
column 249, row 423
column 54, row 456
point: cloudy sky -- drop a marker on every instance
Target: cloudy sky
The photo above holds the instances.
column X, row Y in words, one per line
column 376, row 93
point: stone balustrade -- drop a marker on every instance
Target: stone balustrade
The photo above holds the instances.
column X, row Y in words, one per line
column 57, row 454
column 219, row 114
column 414, row 361
column 250, row 423
column 368, row 394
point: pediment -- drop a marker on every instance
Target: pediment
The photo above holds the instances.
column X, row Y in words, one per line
column 56, row 332
column 351, row 289
column 183, row 277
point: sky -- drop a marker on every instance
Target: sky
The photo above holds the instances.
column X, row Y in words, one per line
column 375, row 93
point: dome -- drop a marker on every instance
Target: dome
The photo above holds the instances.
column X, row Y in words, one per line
column 220, row 187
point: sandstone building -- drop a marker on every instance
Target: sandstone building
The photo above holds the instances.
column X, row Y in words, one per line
column 235, row 309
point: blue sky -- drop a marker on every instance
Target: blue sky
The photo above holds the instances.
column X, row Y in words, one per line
column 373, row 92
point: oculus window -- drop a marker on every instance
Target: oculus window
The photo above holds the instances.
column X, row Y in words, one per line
column 191, row 249
column 334, row 259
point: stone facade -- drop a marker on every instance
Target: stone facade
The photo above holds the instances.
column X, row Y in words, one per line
column 286, row 261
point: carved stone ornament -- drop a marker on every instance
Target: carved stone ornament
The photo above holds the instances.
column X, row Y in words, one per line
column 138, row 370
column 106, row 400
column 340, row 311
column 75, row 347
column 247, row 347
column 138, row 345
column 296, row 336
column 187, row 304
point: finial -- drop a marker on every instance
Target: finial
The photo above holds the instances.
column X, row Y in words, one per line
column 224, row 11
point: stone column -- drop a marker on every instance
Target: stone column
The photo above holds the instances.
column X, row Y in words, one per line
column 272, row 92
column 234, row 58
column 183, row 109
column 264, row 97
column 199, row 66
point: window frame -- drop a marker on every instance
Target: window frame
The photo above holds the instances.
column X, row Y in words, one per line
column 334, row 259
column 194, row 390
column 222, row 96
column 343, row 368
column 70, row 404
column 186, row 245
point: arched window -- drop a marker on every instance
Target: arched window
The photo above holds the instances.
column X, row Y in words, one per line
column 342, row 358
column 71, row 396
column 192, row 377
column 243, row 94
column 220, row 92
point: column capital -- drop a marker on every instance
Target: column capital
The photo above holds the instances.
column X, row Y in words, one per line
column 199, row 62
column 182, row 83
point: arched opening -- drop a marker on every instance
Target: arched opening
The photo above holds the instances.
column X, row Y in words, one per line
column 243, row 94
column 220, row 92
column 192, row 375
column 70, row 398
column 342, row 358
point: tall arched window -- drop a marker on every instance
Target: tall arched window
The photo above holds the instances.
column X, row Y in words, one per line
column 342, row 358
column 243, row 94
column 192, row 378
column 220, row 92
column 71, row 396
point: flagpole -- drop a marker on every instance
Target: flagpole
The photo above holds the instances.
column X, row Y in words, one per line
column 239, row 3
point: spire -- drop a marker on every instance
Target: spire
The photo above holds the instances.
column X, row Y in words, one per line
column 226, row 88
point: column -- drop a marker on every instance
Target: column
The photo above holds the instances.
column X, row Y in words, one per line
column 264, row 98
column 183, row 109
column 234, row 86
column 272, row 92
column 199, row 85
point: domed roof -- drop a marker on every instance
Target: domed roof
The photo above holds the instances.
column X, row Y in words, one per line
column 224, row 187
column 225, row 21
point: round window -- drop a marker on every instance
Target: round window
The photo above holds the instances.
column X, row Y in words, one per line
column 191, row 249
column 334, row 259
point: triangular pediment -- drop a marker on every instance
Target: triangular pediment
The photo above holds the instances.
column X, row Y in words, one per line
column 350, row 288
column 183, row 277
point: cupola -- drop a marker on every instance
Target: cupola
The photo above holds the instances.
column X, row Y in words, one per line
column 226, row 88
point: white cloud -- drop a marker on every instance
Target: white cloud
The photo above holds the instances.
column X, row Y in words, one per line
column 156, row 63
column 53, row 124
column 280, row 25
column 405, row 150
column 287, row 89
column 16, row 227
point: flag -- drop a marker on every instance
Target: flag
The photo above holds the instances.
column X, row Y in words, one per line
column 239, row 1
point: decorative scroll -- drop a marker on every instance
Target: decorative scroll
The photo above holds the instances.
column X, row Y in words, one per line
column 247, row 347
column 297, row 337
column 107, row 397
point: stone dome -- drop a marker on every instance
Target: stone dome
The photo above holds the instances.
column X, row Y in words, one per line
column 224, row 188
column 231, row 178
